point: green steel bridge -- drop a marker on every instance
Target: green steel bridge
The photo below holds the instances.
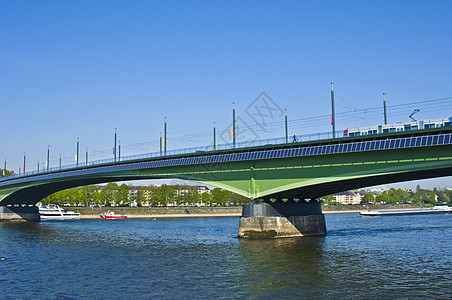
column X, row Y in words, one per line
column 302, row 170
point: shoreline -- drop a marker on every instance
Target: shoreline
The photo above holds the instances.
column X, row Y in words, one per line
column 214, row 214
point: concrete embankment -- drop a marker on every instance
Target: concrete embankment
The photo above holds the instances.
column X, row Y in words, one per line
column 198, row 212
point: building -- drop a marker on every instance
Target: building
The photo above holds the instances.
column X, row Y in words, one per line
column 348, row 198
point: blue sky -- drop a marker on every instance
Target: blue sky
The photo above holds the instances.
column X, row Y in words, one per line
column 83, row 68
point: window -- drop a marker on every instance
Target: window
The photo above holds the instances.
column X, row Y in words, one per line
column 447, row 139
column 397, row 143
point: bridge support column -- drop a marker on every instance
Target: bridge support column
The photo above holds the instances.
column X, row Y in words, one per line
column 281, row 219
column 19, row 213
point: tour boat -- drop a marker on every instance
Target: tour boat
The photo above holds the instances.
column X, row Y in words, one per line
column 424, row 211
column 54, row 212
column 111, row 215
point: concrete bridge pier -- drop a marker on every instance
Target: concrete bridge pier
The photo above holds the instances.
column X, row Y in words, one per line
column 282, row 219
column 19, row 213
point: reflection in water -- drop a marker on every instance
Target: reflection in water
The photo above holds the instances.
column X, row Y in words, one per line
column 284, row 267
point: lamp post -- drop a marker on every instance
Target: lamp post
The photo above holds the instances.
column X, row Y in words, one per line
column 384, row 108
column 164, row 139
column 114, row 147
column 333, row 118
column 76, row 156
column 285, row 119
column 233, row 123
column 48, row 157
column 214, row 138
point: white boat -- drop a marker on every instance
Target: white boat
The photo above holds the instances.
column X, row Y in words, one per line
column 424, row 211
column 54, row 212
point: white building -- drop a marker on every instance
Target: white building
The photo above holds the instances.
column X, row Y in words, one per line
column 348, row 198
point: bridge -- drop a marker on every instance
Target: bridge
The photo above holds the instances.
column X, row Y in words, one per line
column 288, row 177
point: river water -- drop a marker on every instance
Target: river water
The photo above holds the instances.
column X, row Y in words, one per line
column 361, row 257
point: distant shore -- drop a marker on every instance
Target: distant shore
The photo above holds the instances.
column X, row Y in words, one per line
column 207, row 211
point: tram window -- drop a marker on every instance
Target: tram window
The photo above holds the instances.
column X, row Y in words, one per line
column 386, row 130
column 392, row 130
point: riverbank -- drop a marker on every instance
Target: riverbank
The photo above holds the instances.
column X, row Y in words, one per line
column 198, row 212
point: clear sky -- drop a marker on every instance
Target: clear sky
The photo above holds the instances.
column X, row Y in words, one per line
column 73, row 69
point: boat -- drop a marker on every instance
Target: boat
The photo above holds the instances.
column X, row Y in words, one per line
column 54, row 212
column 111, row 215
column 423, row 211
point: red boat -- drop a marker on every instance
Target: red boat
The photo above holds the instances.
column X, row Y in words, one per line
column 111, row 215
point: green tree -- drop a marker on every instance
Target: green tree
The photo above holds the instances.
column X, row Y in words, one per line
column 99, row 198
column 88, row 193
column 238, row 199
column 444, row 199
column 427, row 196
column 123, row 194
column 193, row 196
column 368, row 198
column 5, row 173
column 220, row 196
column 164, row 194
column 111, row 193
column 207, row 198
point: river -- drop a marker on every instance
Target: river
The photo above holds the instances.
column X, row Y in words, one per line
column 201, row 258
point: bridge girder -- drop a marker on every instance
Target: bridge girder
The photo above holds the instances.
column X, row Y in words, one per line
column 291, row 177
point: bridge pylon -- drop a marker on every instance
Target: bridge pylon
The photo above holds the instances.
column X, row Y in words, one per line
column 277, row 219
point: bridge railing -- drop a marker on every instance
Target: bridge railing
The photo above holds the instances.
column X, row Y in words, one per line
column 191, row 150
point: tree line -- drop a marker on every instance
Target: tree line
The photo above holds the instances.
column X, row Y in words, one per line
column 394, row 196
column 113, row 194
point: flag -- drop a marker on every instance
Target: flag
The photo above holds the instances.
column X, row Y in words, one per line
column 232, row 133
column 76, row 157
column 332, row 121
column 346, row 132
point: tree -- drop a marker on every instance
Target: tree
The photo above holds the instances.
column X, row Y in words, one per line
column 5, row 173
column 88, row 193
column 164, row 194
column 220, row 196
column 98, row 198
column 238, row 199
column 193, row 196
column 207, row 198
column 368, row 198
column 110, row 193
column 123, row 194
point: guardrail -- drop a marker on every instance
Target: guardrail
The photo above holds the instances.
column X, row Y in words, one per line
column 191, row 150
